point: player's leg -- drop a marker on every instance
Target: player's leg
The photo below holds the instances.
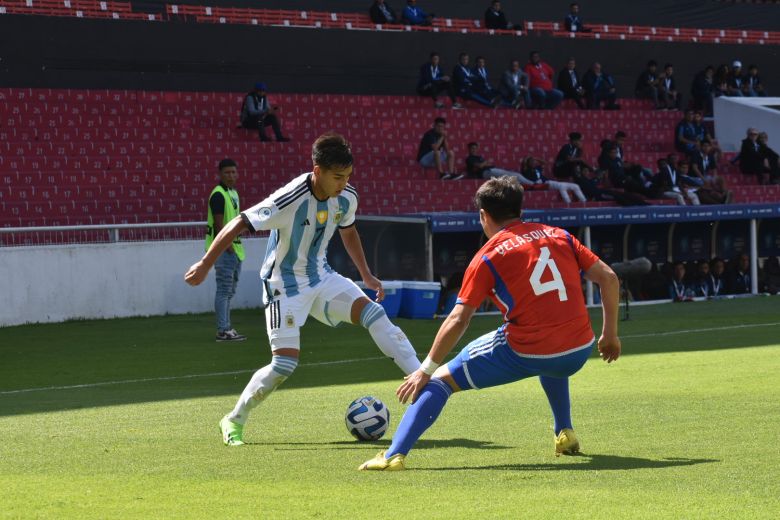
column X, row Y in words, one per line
column 340, row 300
column 224, row 278
column 485, row 362
column 284, row 317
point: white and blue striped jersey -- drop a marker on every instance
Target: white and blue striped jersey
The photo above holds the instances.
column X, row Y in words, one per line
column 301, row 227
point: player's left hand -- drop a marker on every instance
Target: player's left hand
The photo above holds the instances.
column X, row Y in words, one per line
column 412, row 385
column 373, row 283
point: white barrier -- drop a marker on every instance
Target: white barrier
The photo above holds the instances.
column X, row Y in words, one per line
column 734, row 115
column 57, row 283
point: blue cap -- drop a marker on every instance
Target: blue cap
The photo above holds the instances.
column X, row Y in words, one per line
column 260, row 86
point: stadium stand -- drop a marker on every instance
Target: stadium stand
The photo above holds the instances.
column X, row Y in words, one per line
column 109, row 156
column 101, row 9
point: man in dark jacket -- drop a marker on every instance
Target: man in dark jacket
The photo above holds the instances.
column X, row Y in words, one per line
column 257, row 113
column 573, row 22
column 702, row 90
column 647, row 84
column 751, row 160
column 668, row 89
column 599, row 88
column 495, row 18
column 382, row 13
column 569, row 83
column 432, row 83
column 514, row 86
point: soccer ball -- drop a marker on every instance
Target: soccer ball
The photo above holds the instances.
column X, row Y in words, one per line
column 367, row 418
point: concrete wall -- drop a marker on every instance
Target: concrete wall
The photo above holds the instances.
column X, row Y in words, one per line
column 734, row 115
column 56, row 283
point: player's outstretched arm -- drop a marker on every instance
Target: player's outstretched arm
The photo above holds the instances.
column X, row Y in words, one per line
column 609, row 286
column 354, row 247
column 448, row 336
column 224, row 239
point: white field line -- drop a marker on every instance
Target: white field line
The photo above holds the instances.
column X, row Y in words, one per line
column 339, row 362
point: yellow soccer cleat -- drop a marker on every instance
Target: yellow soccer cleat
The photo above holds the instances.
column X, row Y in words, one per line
column 380, row 463
column 566, row 443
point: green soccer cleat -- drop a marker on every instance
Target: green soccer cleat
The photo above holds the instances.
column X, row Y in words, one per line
column 380, row 463
column 232, row 432
column 566, row 443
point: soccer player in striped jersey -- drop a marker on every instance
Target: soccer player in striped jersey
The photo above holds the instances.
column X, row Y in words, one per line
column 532, row 273
column 302, row 217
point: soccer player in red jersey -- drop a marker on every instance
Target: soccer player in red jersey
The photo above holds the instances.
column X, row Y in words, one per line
column 532, row 272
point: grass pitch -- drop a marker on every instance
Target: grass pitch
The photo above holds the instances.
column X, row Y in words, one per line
column 118, row 419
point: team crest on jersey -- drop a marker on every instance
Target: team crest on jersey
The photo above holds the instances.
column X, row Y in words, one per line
column 338, row 216
column 264, row 213
column 322, row 216
column 289, row 321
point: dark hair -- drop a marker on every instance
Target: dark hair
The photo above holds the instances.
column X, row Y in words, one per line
column 706, row 141
column 752, row 66
column 501, row 198
column 434, row 53
column 574, row 136
column 480, row 58
column 652, row 63
column 226, row 163
column 573, row 4
column 472, row 143
column 331, row 151
column 619, row 134
column 461, row 55
column 531, row 54
column 668, row 65
column 439, row 120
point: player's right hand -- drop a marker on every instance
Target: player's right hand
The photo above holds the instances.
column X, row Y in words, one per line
column 196, row 274
column 412, row 385
column 609, row 348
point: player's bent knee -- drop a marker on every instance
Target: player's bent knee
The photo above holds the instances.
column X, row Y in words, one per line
column 443, row 373
column 284, row 366
column 371, row 313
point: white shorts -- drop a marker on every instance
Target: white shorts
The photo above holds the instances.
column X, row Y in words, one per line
column 284, row 316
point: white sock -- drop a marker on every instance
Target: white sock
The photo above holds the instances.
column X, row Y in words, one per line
column 390, row 339
column 263, row 382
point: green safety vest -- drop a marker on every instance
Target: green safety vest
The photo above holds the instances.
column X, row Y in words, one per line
column 232, row 210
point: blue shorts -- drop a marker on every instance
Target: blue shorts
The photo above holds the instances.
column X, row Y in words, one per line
column 490, row 361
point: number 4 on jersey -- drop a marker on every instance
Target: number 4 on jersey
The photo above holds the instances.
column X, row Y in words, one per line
column 556, row 284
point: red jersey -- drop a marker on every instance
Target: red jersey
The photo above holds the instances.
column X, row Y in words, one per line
column 540, row 75
column 532, row 273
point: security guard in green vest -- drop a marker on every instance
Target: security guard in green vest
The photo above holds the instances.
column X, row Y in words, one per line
column 223, row 207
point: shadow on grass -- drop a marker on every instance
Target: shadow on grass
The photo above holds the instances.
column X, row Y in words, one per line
column 422, row 444
column 592, row 462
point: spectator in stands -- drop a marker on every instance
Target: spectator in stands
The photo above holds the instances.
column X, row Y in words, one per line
column 569, row 163
column 382, row 13
column 222, row 208
column 569, row 83
column 751, row 160
column 667, row 88
column 432, row 83
column 533, row 173
column 704, row 165
column 670, row 184
column 721, row 80
column 679, row 290
column 612, row 164
column 770, row 156
column 514, row 86
column 540, row 83
column 495, row 18
column 257, row 113
column 477, row 167
column 753, row 85
column 770, row 276
column 465, row 82
column 703, row 89
column 573, row 22
column 481, row 82
column 647, row 85
column 716, row 277
column 685, row 134
column 735, row 85
column 701, row 132
column 701, row 282
column 599, row 88
column 435, row 151
column 738, row 280
column 414, row 15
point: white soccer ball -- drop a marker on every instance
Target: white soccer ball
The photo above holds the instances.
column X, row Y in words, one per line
column 367, row 418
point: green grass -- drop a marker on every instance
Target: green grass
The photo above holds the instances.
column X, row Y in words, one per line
column 681, row 427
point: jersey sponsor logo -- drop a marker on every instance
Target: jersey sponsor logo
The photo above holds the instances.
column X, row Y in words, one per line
column 518, row 240
column 322, row 216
